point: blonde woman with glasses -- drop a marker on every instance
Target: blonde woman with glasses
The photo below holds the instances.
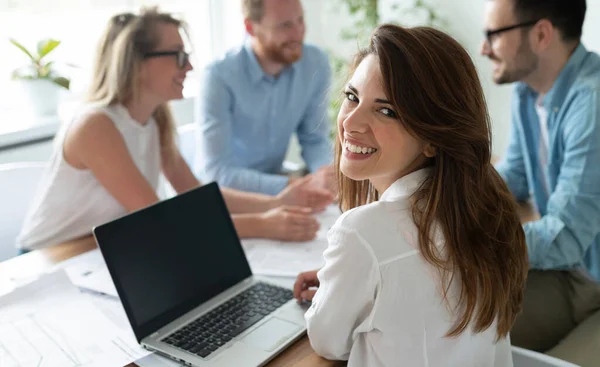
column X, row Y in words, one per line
column 107, row 160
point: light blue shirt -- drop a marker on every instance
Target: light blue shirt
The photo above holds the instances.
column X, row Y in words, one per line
column 568, row 234
column 247, row 117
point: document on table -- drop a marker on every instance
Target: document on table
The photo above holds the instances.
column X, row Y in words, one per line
column 88, row 271
column 278, row 258
column 49, row 323
column 113, row 310
column 6, row 285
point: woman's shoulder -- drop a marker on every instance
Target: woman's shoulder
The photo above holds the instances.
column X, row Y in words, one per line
column 90, row 132
column 382, row 226
column 92, row 121
column 84, row 114
column 379, row 212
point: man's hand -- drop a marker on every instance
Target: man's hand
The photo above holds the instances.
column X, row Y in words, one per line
column 325, row 177
column 289, row 223
column 306, row 286
column 306, row 192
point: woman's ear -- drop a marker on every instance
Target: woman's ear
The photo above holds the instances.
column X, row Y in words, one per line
column 429, row 151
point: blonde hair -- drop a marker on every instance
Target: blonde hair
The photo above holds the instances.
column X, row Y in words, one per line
column 119, row 55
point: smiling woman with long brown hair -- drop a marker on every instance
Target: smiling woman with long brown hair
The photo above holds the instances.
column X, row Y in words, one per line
column 426, row 267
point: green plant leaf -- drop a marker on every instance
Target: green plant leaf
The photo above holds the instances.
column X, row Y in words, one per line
column 45, row 70
column 61, row 81
column 22, row 77
column 24, row 72
column 46, row 46
column 17, row 75
column 22, row 48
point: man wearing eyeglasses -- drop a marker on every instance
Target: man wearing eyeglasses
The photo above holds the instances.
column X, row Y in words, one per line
column 257, row 96
column 553, row 156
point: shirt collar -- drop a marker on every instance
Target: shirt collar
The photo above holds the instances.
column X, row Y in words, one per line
column 555, row 97
column 405, row 186
column 256, row 71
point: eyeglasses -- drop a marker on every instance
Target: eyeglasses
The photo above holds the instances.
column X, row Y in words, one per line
column 123, row 18
column 182, row 57
column 490, row 33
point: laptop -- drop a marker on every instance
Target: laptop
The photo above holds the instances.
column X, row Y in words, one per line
column 187, row 288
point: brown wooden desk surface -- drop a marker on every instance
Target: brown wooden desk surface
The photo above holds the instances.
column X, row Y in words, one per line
column 298, row 354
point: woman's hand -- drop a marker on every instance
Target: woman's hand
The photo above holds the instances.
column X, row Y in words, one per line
column 289, row 223
column 306, row 286
column 306, row 192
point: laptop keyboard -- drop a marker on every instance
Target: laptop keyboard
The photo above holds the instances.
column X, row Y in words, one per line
column 209, row 332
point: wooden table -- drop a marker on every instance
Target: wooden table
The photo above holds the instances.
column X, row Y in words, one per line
column 298, row 354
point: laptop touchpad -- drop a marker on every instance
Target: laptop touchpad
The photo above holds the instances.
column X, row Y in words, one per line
column 270, row 335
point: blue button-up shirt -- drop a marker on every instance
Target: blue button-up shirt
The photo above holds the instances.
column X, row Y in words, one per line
column 566, row 191
column 247, row 117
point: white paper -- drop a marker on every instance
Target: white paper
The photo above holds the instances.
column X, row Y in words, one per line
column 49, row 323
column 6, row 286
column 88, row 271
column 328, row 218
column 113, row 310
column 279, row 258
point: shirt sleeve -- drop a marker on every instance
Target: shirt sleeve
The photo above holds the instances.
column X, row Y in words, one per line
column 512, row 166
column 215, row 132
column 562, row 237
column 346, row 294
column 314, row 129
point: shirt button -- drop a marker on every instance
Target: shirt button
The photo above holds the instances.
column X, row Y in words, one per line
column 555, row 109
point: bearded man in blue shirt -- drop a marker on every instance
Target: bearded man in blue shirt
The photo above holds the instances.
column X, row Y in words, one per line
column 257, row 96
column 553, row 157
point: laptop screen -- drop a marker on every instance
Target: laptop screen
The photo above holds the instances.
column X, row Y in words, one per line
column 168, row 258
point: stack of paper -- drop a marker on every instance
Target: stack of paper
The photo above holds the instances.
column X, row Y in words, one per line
column 278, row 258
column 6, row 286
column 88, row 271
column 49, row 323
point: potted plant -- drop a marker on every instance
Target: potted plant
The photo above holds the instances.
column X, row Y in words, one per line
column 41, row 84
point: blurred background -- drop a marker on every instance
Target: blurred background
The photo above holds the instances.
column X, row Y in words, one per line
column 338, row 26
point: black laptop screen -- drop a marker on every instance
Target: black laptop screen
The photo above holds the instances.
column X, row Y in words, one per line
column 170, row 257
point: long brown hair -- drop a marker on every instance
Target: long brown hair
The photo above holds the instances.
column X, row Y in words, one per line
column 433, row 85
column 119, row 53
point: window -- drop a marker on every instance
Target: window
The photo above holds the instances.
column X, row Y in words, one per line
column 78, row 24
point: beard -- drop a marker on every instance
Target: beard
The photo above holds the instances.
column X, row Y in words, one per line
column 284, row 53
column 525, row 63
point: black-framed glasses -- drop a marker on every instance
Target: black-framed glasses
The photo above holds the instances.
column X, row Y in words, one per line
column 182, row 57
column 492, row 32
column 123, row 19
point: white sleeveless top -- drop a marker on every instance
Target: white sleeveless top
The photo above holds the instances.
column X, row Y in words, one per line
column 69, row 201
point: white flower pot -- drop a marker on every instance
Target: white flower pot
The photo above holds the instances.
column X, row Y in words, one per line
column 41, row 96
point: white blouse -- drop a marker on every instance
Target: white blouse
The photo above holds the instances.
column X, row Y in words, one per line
column 380, row 303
